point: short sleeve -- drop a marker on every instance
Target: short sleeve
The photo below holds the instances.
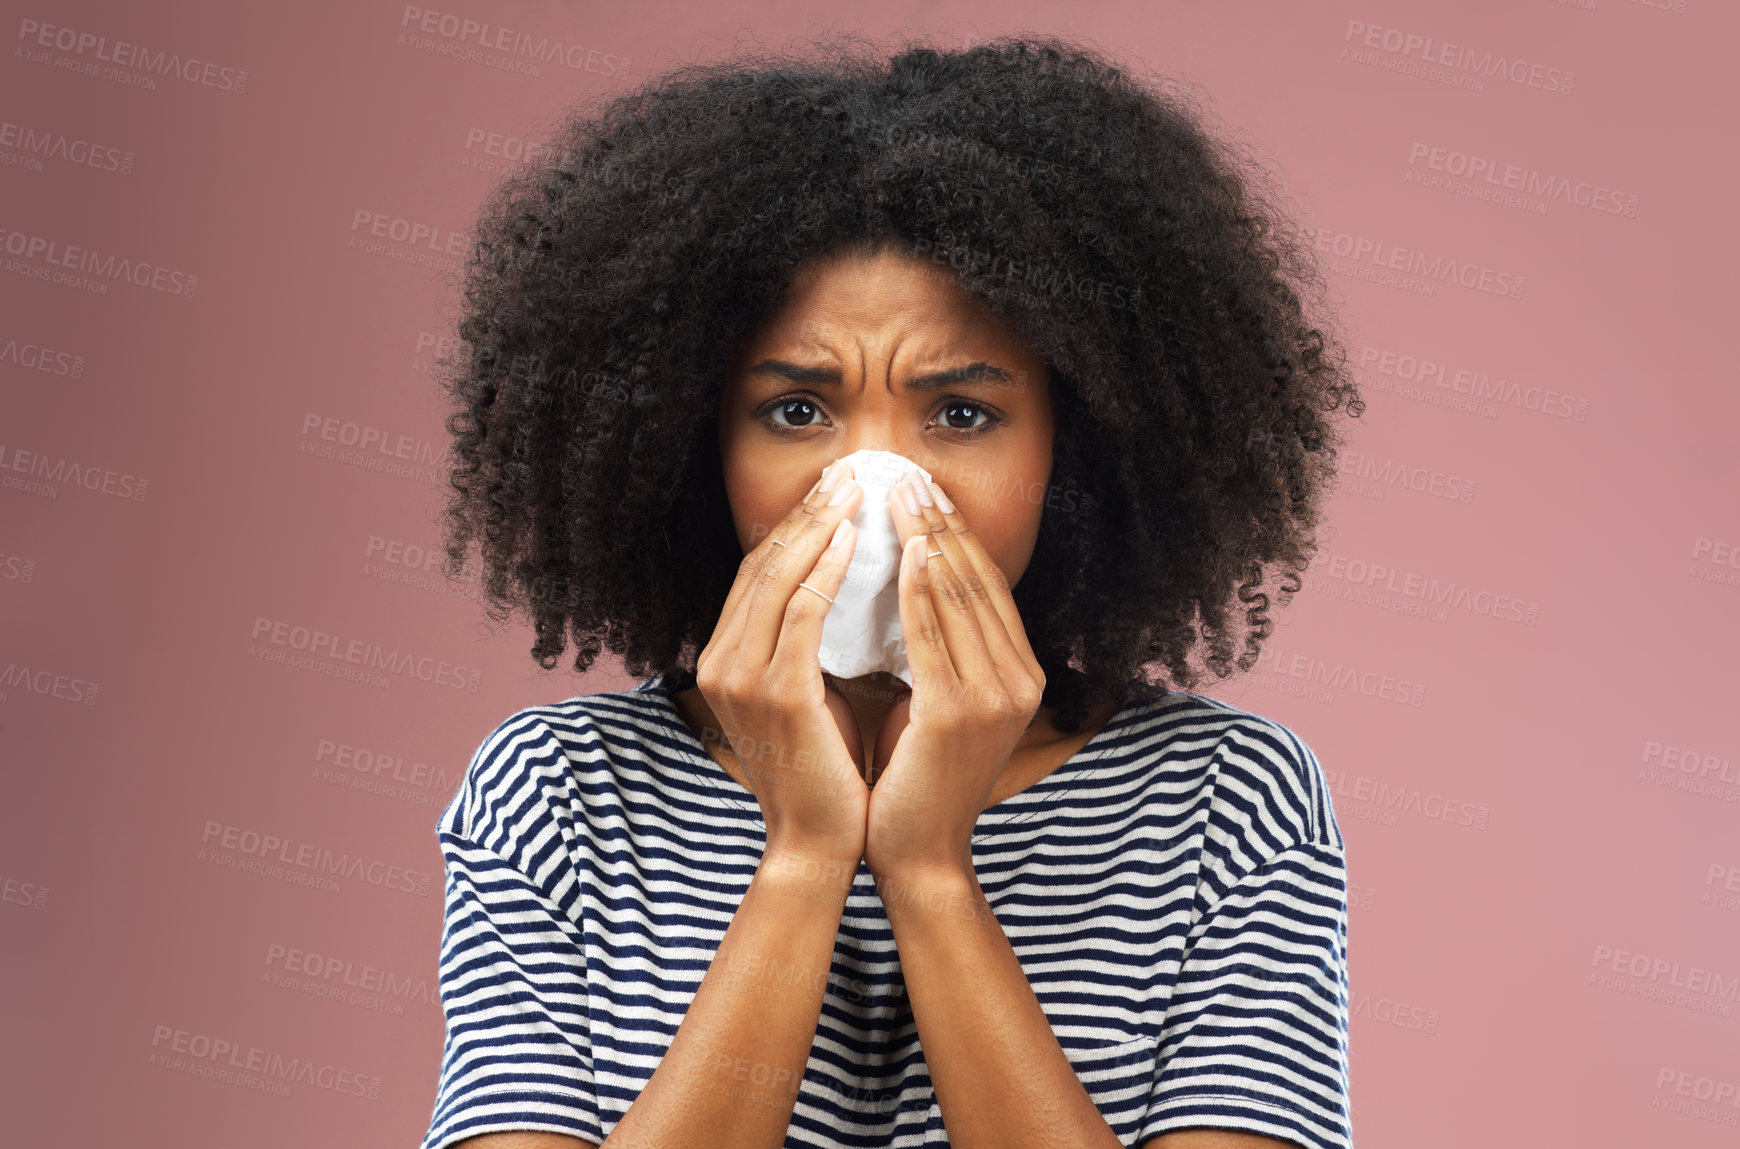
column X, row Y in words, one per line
column 517, row 1054
column 1255, row 1036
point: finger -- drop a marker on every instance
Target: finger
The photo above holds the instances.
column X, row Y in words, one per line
column 805, row 532
column 800, row 632
column 927, row 652
column 963, row 630
column 757, row 555
column 998, row 591
column 733, row 621
column 728, row 631
column 969, row 572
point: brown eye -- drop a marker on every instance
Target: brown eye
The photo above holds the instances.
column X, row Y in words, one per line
column 799, row 411
column 964, row 411
column 794, row 413
column 970, row 409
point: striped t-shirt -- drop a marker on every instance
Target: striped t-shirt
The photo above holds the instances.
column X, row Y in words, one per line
column 1176, row 894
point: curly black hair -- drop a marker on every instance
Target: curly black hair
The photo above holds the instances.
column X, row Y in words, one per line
column 1093, row 214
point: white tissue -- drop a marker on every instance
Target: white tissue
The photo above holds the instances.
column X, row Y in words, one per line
column 861, row 632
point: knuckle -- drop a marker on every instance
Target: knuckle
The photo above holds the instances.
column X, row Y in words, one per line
column 954, row 594
column 800, row 607
column 770, row 572
column 928, row 632
column 730, row 694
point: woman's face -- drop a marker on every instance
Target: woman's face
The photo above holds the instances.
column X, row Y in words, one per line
column 845, row 365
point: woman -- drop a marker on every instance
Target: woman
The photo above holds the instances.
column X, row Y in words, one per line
column 1033, row 899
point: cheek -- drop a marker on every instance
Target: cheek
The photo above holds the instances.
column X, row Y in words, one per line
column 755, row 516
column 747, row 508
column 759, row 501
column 1007, row 525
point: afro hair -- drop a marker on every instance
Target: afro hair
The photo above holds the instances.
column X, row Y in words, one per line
column 1132, row 250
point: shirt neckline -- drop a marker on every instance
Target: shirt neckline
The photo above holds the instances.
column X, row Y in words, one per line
column 1042, row 794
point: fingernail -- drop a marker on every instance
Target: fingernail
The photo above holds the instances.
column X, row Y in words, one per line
column 942, row 500
column 922, row 557
column 839, row 533
column 830, row 474
column 906, row 498
column 846, row 488
column 918, row 488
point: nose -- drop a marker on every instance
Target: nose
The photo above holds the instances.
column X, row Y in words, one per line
column 879, row 420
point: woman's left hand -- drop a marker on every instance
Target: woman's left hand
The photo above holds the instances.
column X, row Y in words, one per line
column 976, row 687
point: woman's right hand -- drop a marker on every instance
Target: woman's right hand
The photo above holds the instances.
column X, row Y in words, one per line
column 761, row 676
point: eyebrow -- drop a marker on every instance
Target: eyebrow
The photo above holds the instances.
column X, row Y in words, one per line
column 973, row 374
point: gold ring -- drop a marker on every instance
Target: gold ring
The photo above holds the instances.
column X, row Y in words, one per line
column 807, row 586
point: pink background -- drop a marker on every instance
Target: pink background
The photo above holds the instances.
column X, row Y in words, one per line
column 1516, row 657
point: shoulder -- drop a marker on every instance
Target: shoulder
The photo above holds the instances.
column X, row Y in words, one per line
column 1262, row 786
column 537, row 759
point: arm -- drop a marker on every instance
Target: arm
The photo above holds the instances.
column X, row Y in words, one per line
column 731, row 1075
column 1001, row 1077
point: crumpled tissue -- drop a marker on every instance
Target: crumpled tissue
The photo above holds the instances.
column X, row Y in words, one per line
column 861, row 631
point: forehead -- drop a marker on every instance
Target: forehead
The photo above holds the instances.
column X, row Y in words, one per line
column 883, row 299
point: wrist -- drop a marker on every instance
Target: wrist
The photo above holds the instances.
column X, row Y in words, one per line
column 931, row 892
column 940, row 871
column 808, row 862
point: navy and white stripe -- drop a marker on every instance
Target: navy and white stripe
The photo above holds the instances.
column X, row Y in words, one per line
column 1176, row 893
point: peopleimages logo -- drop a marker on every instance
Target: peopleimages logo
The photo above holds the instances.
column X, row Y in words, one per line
column 46, row 144
column 1524, row 181
column 488, row 151
column 306, row 856
column 42, row 257
column 341, row 979
column 313, row 648
column 391, row 776
column 47, row 683
column 1342, row 676
column 1416, row 47
column 1385, row 258
column 1393, row 474
column 27, row 356
column 486, row 43
column 1363, row 797
column 34, row 37
column 221, row 1058
column 1397, row 1013
column 45, row 471
column 1665, row 980
column 1417, row 587
column 1696, row 1096
column 1397, row 367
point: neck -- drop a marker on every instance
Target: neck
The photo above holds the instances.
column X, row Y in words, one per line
column 871, row 696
